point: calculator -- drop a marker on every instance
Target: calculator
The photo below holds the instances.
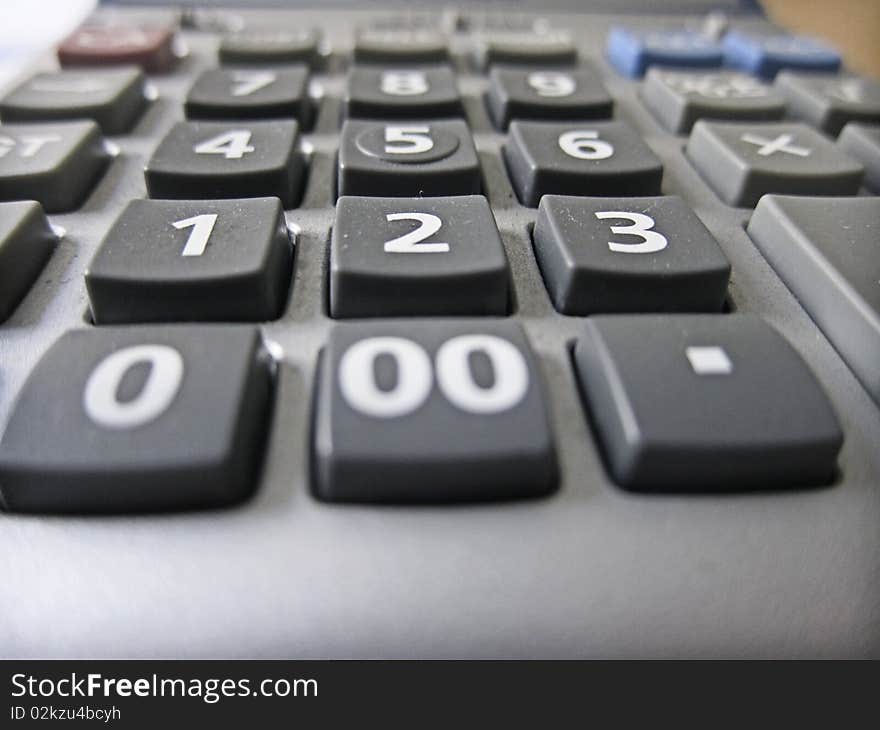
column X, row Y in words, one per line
column 404, row 330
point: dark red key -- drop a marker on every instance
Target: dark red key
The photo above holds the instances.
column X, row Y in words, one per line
column 149, row 48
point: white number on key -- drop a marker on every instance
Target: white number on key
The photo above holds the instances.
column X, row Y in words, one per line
column 233, row 145
column 404, row 83
column 551, row 83
column 408, row 140
column 652, row 241
column 246, row 83
column 202, row 227
column 357, row 379
column 412, row 242
column 100, row 398
column 584, row 144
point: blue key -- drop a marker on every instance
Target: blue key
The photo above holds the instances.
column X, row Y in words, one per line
column 765, row 55
column 632, row 52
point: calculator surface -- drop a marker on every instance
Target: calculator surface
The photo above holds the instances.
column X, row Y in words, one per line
column 586, row 570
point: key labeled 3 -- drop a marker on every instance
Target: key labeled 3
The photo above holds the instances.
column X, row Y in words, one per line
column 192, row 260
column 454, row 411
column 628, row 255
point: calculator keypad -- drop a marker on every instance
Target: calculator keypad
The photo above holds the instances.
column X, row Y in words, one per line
column 485, row 183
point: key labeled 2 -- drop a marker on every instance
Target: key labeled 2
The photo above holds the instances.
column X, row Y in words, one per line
column 415, row 257
column 454, row 410
column 139, row 419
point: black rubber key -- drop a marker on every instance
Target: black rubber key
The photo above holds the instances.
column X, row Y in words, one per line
column 401, row 93
column 830, row 102
column 430, row 411
column 415, row 257
column 592, row 158
column 407, row 158
column 56, row 164
column 139, row 419
column 26, row 241
column 553, row 48
column 742, row 162
column 680, row 98
column 207, row 160
column 704, row 403
column 114, row 98
column 250, row 93
column 267, row 46
column 628, row 255
column 188, row 261
column 397, row 46
column 863, row 143
column 827, row 251
column 546, row 94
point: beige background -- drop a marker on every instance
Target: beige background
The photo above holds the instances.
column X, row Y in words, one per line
column 853, row 26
